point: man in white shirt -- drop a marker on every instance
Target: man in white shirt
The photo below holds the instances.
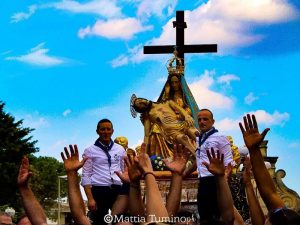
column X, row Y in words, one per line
column 209, row 138
column 101, row 185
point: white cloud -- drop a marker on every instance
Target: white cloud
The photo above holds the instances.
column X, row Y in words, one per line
column 250, row 98
column 34, row 120
column 162, row 80
column 226, row 79
column 134, row 55
column 105, row 8
column 38, row 56
column 148, row 8
column 60, row 144
column 139, row 143
column 226, row 22
column 6, row 52
column 229, row 23
column 260, row 11
column 227, row 124
column 17, row 17
column 271, row 119
column 115, row 28
column 119, row 61
column 66, row 112
column 294, row 145
column 204, row 95
column 262, row 117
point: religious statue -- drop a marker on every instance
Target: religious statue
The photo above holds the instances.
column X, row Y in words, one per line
column 173, row 121
column 235, row 154
column 122, row 141
column 177, row 90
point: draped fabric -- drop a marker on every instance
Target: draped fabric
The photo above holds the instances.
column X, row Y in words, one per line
column 188, row 98
column 159, row 144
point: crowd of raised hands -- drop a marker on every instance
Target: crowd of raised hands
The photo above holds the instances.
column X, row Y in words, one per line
column 154, row 210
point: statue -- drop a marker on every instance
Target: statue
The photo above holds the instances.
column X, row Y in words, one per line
column 235, row 154
column 175, row 89
column 174, row 123
column 122, row 141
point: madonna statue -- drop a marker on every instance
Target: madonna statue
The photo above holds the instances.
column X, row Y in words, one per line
column 177, row 90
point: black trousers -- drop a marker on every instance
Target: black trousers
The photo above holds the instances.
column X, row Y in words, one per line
column 105, row 196
column 207, row 199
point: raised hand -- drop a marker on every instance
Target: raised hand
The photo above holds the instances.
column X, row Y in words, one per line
column 71, row 160
column 24, row 173
column 143, row 160
column 124, row 176
column 180, row 158
column 251, row 135
column 131, row 172
column 216, row 163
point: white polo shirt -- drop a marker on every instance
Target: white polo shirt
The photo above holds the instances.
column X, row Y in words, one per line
column 96, row 170
column 218, row 142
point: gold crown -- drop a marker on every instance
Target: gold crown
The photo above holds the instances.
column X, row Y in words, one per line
column 178, row 68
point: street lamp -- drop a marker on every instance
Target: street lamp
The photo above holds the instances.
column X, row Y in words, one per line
column 59, row 198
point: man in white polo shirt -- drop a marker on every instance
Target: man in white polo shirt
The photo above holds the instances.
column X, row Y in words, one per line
column 101, row 185
column 209, row 138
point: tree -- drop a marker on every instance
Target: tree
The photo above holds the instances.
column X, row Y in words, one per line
column 15, row 141
column 44, row 182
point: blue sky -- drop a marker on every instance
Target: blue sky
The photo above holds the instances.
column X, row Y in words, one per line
column 66, row 64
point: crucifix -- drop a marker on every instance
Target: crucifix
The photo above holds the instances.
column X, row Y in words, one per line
column 181, row 48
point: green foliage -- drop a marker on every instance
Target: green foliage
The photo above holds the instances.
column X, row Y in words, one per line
column 15, row 141
column 44, row 182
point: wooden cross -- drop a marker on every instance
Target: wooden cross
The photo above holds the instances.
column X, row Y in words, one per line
column 180, row 25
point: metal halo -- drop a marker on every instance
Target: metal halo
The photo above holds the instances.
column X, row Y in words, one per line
column 132, row 110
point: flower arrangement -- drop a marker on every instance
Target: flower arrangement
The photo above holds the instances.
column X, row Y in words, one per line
column 157, row 163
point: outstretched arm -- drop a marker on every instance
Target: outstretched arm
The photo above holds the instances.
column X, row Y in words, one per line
column 72, row 165
column 264, row 182
column 225, row 202
column 132, row 175
column 177, row 167
column 154, row 206
column 256, row 213
column 32, row 207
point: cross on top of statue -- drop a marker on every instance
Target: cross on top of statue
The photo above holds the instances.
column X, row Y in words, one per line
column 180, row 47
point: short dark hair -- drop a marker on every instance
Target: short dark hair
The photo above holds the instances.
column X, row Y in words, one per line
column 104, row 121
column 284, row 216
column 212, row 115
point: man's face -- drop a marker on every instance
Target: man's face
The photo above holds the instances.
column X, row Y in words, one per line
column 205, row 121
column 105, row 131
column 5, row 220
